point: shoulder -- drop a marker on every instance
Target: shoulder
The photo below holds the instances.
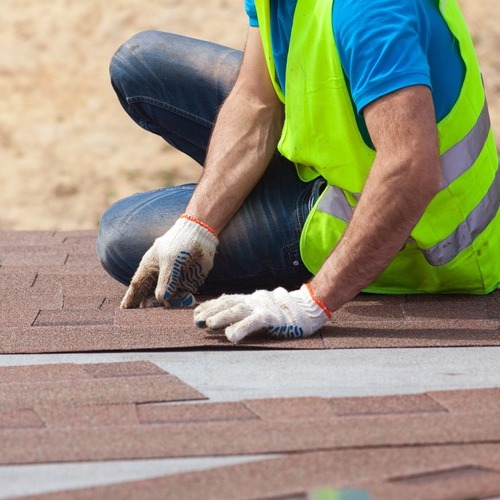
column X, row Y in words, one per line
column 376, row 17
column 380, row 44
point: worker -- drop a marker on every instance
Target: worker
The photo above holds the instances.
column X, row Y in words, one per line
column 348, row 149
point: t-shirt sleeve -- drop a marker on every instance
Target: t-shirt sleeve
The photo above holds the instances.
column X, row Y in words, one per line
column 381, row 45
column 251, row 13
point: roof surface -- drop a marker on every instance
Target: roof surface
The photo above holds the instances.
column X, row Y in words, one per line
column 397, row 396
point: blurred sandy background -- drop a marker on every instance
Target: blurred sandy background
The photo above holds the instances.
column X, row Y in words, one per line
column 67, row 149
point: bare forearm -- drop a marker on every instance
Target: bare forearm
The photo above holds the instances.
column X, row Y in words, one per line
column 243, row 141
column 242, row 144
column 389, row 208
column 404, row 178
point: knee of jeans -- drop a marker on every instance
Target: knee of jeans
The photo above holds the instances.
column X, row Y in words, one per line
column 129, row 55
column 111, row 248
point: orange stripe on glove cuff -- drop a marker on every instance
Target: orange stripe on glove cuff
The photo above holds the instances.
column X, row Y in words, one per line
column 192, row 218
column 318, row 300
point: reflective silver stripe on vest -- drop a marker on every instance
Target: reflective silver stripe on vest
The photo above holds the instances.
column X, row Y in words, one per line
column 447, row 249
column 464, row 154
column 334, row 202
column 454, row 163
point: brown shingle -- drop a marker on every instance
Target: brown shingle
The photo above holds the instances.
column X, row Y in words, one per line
column 92, row 302
column 61, row 416
column 19, row 315
column 23, row 239
column 452, row 307
column 157, row 316
column 74, row 283
column 167, row 335
column 42, row 373
column 368, row 307
column 10, row 419
column 147, row 388
column 488, row 400
column 426, row 332
column 378, row 405
column 289, row 475
column 122, row 369
column 31, row 256
column 67, row 270
column 85, row 262
column 89, row 410
column 69, row 317
column 244, row 437
column 13, row 278
column 206, row 412
column 21, row 293
column 291, row 408
column 461, row 482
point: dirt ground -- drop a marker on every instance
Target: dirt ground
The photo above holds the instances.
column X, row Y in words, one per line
column 67, row 148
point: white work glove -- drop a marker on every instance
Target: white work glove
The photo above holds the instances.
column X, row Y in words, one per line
column 175, row 266
column 284, row 314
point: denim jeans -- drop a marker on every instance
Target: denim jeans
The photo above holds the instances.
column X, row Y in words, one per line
column 174, row 86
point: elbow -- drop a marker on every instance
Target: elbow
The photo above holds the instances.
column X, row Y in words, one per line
column 416, row 179
column 432, row 178
column 424, row 179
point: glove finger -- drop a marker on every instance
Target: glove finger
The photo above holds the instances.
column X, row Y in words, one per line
column 150, row 302
column 228, row 316
column 169, row 276
column 238, row 331
column 142, row 285
column 183, row 300
column 213, row 307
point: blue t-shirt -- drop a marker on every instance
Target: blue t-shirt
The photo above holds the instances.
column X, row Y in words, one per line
column 384, row 46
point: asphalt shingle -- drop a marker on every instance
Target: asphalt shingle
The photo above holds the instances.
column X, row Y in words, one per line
column 55, row 298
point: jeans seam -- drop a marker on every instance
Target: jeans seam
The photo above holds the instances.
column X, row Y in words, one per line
column 168, row 107
column 291, row 251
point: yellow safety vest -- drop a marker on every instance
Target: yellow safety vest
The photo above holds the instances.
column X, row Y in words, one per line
column 455, row 247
